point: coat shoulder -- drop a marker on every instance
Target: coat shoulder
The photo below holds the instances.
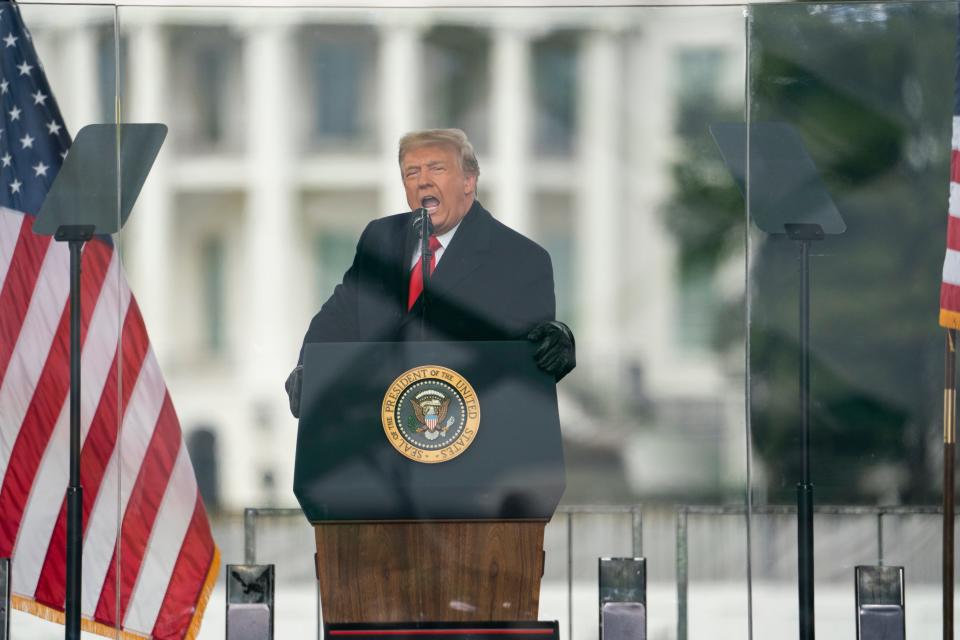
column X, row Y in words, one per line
column 387, row 225
column 511, row 241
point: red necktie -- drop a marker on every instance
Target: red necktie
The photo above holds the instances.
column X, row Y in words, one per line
column 416, row 274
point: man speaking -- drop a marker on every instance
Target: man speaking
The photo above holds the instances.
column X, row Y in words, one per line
column 484, row 281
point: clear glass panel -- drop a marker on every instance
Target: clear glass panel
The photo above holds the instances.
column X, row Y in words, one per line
column 58, row 76
column 871, row 104
column 591, row 128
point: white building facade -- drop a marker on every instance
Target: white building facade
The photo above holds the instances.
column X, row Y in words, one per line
column 282, row 146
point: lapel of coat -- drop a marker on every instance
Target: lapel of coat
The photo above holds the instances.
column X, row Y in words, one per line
column 466, row 252
column 399, row 281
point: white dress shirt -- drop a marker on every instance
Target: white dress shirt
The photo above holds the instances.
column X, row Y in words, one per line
column 444, row 242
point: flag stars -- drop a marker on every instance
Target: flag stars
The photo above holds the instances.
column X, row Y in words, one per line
column 53, row 128
column 10, row 40
column 40, row 169
column 15, row 186
column 15, row 113
column 39, row 98
column 6, row 159
column 27, row 141
column 25, row 68
column 4, row 87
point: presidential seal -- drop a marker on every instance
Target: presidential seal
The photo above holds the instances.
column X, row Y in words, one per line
column 430, row 414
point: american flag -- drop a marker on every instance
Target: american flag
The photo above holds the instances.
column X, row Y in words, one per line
column 950, row 284
column 149, row 559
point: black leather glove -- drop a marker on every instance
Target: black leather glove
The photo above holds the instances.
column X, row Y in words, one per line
column 556, row 349
column 292, row 385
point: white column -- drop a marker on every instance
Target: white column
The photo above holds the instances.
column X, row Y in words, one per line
column 651, row 268
column 148, row 236
column 510, row 73
column 268, row 231
column 270, row 289
column 80, row 104
column 399, row 68
column 599, row 220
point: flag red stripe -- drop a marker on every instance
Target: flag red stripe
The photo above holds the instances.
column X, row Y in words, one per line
column 34, row 433
column 953, row 233
column 950, row 297
column 187, row 579
column 955, row 165
column 51, row 392
column 18, row 287
column 97, row 449
column 141, row 513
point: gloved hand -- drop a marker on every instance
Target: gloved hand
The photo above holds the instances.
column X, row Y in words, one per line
column 292, row 385
column 556, row 348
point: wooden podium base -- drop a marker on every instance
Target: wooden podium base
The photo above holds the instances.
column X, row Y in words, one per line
column 429, row 571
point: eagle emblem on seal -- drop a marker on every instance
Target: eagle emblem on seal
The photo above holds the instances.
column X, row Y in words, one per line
column 430, row 409
column 430, row 414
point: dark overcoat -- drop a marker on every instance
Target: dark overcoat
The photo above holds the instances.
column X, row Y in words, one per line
column 491, row 283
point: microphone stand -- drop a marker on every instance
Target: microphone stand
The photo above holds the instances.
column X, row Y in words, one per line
column 426, row 229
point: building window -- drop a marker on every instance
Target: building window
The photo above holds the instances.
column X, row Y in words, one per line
column 206, row 89
column 698, row 309
column 456, row 81
column 340, row 67
column 214, row 297
column 554, row 230
column 207, row 228
column 333, row 221
column 333, row 254
column 555, row 93
column 202, row 447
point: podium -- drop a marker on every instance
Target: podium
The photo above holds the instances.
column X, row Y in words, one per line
column 429, row 471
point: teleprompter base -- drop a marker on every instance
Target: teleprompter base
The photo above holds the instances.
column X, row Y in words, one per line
column 429, row 571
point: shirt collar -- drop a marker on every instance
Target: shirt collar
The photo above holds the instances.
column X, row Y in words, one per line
column 448, row 236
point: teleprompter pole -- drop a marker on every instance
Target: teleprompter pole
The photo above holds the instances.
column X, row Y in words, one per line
column 805, row 488
column 949, row 454
column 804, row 234
column 75, row 236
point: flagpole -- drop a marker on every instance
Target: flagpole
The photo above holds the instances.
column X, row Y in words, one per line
column 949, row 452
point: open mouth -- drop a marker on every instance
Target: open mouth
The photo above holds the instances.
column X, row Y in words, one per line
column 429, row 203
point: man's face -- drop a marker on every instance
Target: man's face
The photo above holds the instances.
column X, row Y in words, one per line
column 433, row 179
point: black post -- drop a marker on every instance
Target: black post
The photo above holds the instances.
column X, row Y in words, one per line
column 805, row 234
column 75, row 236
column 426, row 229
column 949, row 461
column 805, row 488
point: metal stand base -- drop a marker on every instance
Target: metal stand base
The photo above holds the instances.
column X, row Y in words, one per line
column 805, row 558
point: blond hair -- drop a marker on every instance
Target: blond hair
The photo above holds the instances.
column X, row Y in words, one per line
column 455, row 138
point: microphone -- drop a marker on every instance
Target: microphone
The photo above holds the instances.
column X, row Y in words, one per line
column 419, row 216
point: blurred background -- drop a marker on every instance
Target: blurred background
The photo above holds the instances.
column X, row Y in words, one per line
column 591, row 127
